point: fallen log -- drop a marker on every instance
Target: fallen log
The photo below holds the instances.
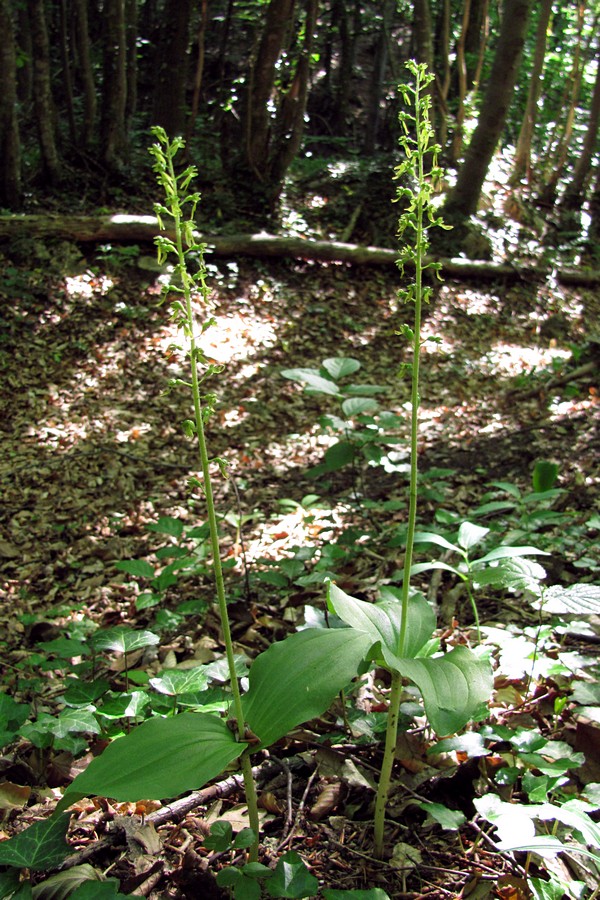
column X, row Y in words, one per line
column 121, row 228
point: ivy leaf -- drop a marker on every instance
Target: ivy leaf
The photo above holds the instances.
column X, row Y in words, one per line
column 123, row 639
column 41, row 846
column 180, row 681
column 291, row 878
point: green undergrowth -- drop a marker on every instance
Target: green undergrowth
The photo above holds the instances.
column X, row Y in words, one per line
column 481, row 692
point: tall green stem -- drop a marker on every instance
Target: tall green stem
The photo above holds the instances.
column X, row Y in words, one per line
column 417, row 217
column 188, row 282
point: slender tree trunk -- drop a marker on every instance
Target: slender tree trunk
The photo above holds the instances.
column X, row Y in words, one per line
column 380, row 57
column 290, row 125
column 199, row 74
column 463, row 200
column 114, row 99
column 461, row 66
column 558, row 146
column 349, row 28
column 575, row 193
column 131, row 52
column 522, row 163
column 172, row 58
column 42, row 92
column 593, row 238
column 66, row 61
column 22, row 38
column 10, row 143
column 84, row 71
column 258, row 117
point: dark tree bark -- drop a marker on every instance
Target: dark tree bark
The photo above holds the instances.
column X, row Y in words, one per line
column 273, row 116
column 131, row 53
column 10, row 143
column 199, row 73
column 575, row 193
column 522, row 163
column 42, row 92
column 463, row 200
column 559, row 141
column 85, row 72
column 114, row 95
column 349, row 23
column 380, row 56
column 22, row 39
column 171, row 68
column 66, row 61
column 258, row 118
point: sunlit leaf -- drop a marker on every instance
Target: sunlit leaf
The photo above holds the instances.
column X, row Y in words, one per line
column 297, row 679
column 158, row 759
column 469, row 535
column 340, row 366
column 312, row 380
column 180, row 681
column 123, row 639
column 354, row 406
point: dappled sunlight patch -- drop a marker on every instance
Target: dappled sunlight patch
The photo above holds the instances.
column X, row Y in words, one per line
column 87, row 285
column 515, row 359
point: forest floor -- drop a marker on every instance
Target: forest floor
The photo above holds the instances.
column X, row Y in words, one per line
column 92, row 453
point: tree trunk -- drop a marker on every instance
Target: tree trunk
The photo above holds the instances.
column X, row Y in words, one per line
column 114, row 98
column 85, row 71
column 199, row 73
column 42, row 92
column 131, row 53
column 463, row 200
column 66, row 62
column 575, row 193
column 10, row 142
column 172, row 57
column 349, row 29
column 558, row 144
column 522, row 162
column 261, row 80
column 290, row 123
column 143, row 229
column 461, row 66
column 380, row 57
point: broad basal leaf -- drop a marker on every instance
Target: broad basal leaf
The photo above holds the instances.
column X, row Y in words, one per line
column 297, row 679
column 354, row 406
column 381, row 621
column 167, row 525
column 340, row 366
column 454, row 687
column 161, row 758
column 138, row 567
column 41, row 846
column 312, row 380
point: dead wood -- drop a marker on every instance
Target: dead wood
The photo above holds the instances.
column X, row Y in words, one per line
column 122, row 228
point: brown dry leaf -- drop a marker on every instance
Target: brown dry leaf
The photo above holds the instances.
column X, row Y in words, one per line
column 330, row 795
column 14, row 796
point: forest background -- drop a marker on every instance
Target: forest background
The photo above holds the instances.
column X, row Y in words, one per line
column 290, row 111
column 259, row 89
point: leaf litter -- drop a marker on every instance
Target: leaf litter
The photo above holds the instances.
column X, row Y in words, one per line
column 93, row 454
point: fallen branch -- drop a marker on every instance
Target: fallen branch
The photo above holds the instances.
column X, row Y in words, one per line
column 122, row 228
